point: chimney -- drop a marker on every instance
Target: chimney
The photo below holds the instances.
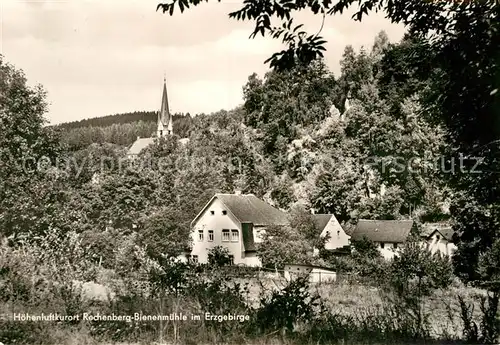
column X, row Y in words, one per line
column 313, row 211
column 237, row 192
column 138, row 137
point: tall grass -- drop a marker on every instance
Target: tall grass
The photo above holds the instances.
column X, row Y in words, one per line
column 277, row 312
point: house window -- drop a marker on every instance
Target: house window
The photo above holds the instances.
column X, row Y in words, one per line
column 195, row 259
column 231, row 259
column 382, row 245
column 212, row 212
column 338, row 233
column 225, row 234
column 200, row 235
column 161, row 133
column 224, row 212
column 210, row 235
column 235, row 235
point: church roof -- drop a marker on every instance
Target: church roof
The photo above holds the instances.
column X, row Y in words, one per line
column 139, row 145
column 165, row 116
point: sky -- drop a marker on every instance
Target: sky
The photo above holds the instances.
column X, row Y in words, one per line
column 102, row 57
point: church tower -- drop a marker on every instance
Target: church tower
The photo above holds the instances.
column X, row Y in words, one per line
column 165, row 122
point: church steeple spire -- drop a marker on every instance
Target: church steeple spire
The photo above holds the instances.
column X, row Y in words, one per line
column 164, row 117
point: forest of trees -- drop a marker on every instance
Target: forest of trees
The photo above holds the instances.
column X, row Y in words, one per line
column 119, row 129
column 117, row 119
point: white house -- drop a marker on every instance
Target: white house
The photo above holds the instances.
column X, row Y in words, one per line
column 234, row 221
column 330, row 226
column 438, row 238
column 316, row 274
column 388, row 235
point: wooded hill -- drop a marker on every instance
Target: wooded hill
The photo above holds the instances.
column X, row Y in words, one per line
column 116, row 119
column 119, row 129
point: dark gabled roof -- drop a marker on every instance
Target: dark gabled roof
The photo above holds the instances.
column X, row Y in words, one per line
column 321, row 220
column 247, row 208
column 395, row 231
column 445, row 231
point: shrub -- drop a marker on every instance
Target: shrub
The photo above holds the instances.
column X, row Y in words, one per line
column 489, row 324
column 470, row 329
column 365, row 261
column 293, row 304
column 365, row 248
column 412, row 275
column 417, row 272
column 218, row 256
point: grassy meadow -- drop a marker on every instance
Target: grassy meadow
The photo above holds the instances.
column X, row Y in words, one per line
column 383, row 307
column 363, row 307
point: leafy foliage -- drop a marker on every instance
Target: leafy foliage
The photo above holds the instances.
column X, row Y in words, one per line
column 303, row 223
column 365, row 248
column 118, row 119
column 276, row 253
column 284, row 102
column 303, row 237
column 421, row 18
column 416, row 272
column 218, row 256
column 293, row 304
column 283, row 193
column 118, row 129
column 302, row 48
column 163, row 235
column 26, row 149
column 476, row 226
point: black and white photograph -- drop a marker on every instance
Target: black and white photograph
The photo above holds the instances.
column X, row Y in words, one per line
column 254, row 172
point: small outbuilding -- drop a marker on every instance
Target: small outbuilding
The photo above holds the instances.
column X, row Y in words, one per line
column 317, row 274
